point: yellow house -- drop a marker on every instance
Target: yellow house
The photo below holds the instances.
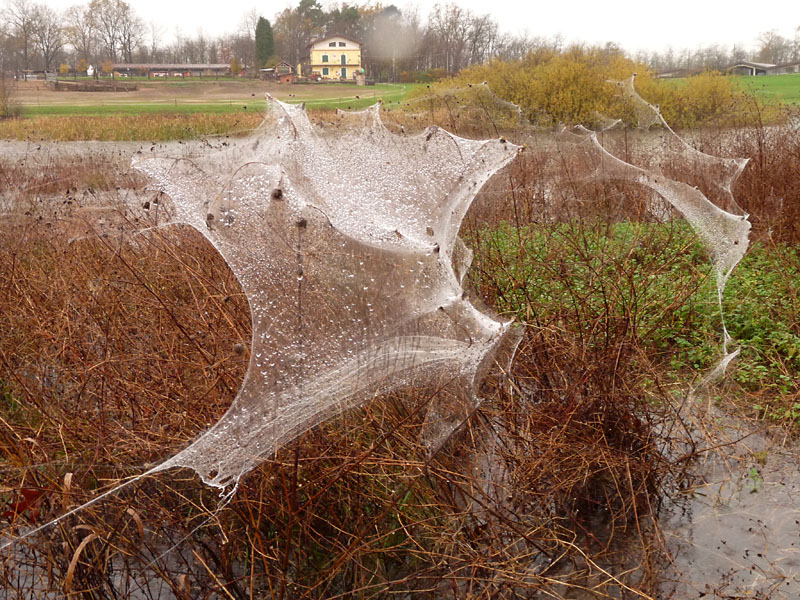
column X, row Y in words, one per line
column 334, row 58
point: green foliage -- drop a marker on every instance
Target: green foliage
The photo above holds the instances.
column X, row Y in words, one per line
column 616, row 274
column 236, row 66
column 429, row 76
column 654, row 280
column 265, row 42
column 761, row 305
column 8, row 403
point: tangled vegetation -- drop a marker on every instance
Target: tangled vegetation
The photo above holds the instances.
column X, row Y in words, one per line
column 116, row 351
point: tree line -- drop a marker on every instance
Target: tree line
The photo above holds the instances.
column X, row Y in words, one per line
column 398, row 44
column 770, row 47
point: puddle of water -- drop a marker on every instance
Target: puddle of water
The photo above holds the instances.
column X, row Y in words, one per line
column 736, row 532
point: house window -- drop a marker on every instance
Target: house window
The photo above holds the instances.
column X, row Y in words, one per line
column 341, row 44
column 344, row 59
column 324, row 58
column 332, row 45
column 325, row 70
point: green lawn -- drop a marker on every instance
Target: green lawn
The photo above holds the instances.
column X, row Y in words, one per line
column 785, row 88
column 388, row 93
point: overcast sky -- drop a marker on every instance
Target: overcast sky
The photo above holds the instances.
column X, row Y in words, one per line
column 634, row 25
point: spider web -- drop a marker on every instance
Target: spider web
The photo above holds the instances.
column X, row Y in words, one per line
column 344, row 237
column 346, row 246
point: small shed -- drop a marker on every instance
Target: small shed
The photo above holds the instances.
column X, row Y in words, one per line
column 283, row 68
column 283, row 72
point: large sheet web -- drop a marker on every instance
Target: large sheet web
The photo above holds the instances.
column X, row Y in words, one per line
column 695, row 184
column 705, row 203
column 344, row 237
column 346, row 247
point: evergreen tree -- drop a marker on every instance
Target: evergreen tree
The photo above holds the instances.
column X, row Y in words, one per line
column 265, row 43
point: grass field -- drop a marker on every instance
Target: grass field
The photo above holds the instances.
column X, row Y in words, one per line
column 167, row 110
column 214, row 97
column 782, row 88
column 121, row 340
column 785, row 88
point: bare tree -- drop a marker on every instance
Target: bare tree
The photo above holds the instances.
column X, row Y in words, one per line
column 155, row 34
column 248, row 24
column 107, row 15
column 290, row 35
column 449, row 26
column 80, row 31
column 482, row 39
column 245, row 39
column 517, row 47
column 773, row 48
column 131, row 32
column 19, row 15
column 7, row 108
column 295, row 28
column 119, row 29
column 392, row 39
column 47, row 33
column 456, row 38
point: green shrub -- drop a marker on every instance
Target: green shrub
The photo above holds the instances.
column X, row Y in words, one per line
column 650, row 286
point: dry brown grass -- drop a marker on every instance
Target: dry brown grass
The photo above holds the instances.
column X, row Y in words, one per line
column 117, row 350
column 145, row 127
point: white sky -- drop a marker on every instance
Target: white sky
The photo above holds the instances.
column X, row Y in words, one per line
column 652, row 25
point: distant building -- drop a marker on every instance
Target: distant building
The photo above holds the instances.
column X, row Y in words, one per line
column 744, row 67
column 173, row 70
column 335, row 58
column 754, row 68
column 283, row 68
column 283, row 72
column 749, row 68
column 785, row 68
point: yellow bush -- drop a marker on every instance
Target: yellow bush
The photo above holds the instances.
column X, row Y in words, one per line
column 572, row 87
